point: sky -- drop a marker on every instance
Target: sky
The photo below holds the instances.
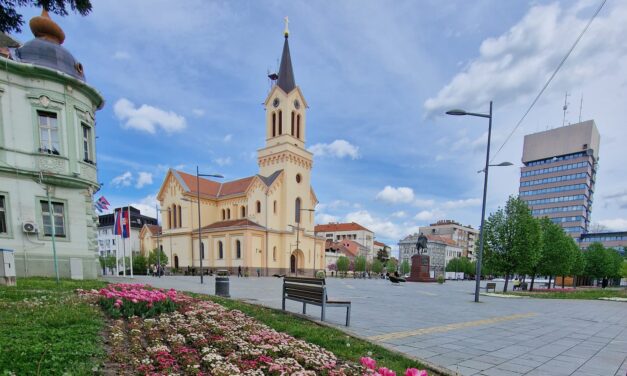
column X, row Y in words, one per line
column 184, row 86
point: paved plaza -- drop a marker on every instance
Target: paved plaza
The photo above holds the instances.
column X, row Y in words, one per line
column 442, row 325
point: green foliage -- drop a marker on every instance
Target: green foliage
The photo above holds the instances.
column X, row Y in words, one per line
column 461, row 265
column 598, row 261
column 382, row 255
column 360, row 263
column 579, row 262
column 440, row 279
column 12, row 21
column 615, row 263
column 405, row 268
column 377, row 266
column 320, row 274
column 142, row 309
column 342, row 264
column 582, row 293
column 153, row 257
column 390, row 266
column 623, row 271
column 557, row 256
column 140, row 263
column 47, row 329
column 512, row 239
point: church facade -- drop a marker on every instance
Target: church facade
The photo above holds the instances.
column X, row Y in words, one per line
column 262, row 223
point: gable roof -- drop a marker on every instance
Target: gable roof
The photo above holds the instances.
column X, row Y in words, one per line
column 380, row 244
column 215, row 189
column 154, row 229
column 332, row 227
column 232, row 223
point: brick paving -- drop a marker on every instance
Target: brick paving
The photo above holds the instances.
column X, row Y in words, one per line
column 442, row 325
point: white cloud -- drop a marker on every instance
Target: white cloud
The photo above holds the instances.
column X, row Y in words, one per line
column 616, row 224
column 427, row 215
column 337, row 149
column 223, row 161
column 399, row 214
column 198, row 112
column 123, row 180
column 459, row 204
column 147, row 206
column 382, row 228
column 143, row 178
column 121, row 55
column 396, row 195
column 322, row 218
column 148, row 118
column 512, row 67
column 227, row 138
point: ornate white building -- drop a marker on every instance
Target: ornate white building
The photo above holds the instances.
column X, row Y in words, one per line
column 262, row 222
column 439, row 249
column 47, row 156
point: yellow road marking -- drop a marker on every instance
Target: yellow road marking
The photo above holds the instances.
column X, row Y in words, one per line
column 446, row 328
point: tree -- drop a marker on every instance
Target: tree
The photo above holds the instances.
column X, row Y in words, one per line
column 140, row 264
column 342, row 264
column 615, row 263
column 556, row 252
column 382, row 255
column 405, row 268
column 512, row 239
column 360, row 264
column 579, row 264
column 390, row 266
column 596, row 261
column 154, row 258
column 377, row 266
column 11, row 21
column 461, row 265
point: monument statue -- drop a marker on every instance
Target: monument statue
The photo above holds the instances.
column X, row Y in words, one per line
column 421, row 244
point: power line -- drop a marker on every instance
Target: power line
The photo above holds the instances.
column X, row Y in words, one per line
column 559, row 66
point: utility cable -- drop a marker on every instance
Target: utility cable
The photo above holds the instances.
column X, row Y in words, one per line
column 559, row 66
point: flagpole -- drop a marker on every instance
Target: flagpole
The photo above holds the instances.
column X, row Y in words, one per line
column 130, row 238
column 123, row 242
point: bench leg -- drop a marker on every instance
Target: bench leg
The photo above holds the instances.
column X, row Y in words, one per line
column 304, row 308
column 348, row 315
column 322, row 318
column 283, row 305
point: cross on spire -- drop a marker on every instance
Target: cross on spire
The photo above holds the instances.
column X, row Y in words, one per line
column 287, row 31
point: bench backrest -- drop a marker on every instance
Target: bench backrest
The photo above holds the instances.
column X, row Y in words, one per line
column 491, row 285
column 309, row 289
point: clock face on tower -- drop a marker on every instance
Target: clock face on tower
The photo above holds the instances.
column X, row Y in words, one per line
column 276, row 102
column 296, row 104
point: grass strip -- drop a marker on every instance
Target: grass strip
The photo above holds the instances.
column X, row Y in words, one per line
column 338, row 342
column 582, row 294
column 46, row 329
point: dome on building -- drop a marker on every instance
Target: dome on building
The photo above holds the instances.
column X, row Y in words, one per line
column 46, row 50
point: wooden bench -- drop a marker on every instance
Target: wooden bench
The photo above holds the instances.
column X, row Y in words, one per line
column 311, row 291
column 490, row 285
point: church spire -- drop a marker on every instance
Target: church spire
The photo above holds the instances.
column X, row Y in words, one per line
column 286, row 73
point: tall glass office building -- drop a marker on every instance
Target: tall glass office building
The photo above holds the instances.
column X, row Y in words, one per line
column 557, row 179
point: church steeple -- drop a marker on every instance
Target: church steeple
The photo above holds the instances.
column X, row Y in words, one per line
column 286, row 73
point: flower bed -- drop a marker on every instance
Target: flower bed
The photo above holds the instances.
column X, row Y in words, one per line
column 203, row 338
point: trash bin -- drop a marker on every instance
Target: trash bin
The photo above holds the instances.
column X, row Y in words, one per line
column 222, row 283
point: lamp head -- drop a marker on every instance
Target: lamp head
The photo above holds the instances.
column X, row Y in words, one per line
column 505, row 164
column 456, row 112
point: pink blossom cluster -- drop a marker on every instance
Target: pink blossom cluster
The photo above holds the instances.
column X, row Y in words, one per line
column 203, row 338
column 371, row 364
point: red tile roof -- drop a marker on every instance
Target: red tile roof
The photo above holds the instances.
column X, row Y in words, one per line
column 232, row 223
column 333, row 227
column 207, row 187
column 379, row 244
column 154, row 229
column 441, row 239
column 218, row 190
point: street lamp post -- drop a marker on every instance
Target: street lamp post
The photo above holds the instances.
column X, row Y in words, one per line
column 485, row 188
column 200, row 252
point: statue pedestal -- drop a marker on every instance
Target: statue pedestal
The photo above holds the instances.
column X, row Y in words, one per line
column 420, row 269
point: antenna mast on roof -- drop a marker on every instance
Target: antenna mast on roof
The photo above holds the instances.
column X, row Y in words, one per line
column 580, row 107
column 565, row 108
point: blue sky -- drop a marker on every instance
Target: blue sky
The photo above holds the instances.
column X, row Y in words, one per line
column 184, row 86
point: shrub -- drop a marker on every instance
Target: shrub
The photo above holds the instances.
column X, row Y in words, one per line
column 440, row 279
column 320, row 274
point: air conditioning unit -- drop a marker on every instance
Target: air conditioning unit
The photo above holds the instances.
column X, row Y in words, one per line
column 29, row 227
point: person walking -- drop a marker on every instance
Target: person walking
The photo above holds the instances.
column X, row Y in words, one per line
column 258, row 272
column 239, row 271
column 154, row 270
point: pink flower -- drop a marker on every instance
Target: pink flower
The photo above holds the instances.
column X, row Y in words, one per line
column 134, row 300
column 368, row 362
column 415, row 372
column 386, row 372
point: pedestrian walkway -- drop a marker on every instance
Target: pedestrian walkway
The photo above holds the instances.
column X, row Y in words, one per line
column 442, row 325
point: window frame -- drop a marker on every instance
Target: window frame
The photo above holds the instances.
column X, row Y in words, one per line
column 220, row 250
column 88, row 152
column 5, row 212
column 238, row 249
column 66, row 224
column 38, row 115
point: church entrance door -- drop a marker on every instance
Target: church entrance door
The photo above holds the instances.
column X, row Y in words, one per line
column 293, row 264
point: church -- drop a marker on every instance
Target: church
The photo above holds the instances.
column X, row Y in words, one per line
column 262, row 223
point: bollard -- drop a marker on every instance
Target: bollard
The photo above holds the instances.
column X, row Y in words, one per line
column 222, row 283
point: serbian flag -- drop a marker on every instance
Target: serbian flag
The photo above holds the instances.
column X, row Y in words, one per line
column 122, row 223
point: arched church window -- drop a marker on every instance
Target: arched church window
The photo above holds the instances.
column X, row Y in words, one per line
column 243, row 211
column 258, row 204
column 280, row 123
column 228, row 213
column 238, row 249
column 274, row 124
column 274, row 254
column 298, row 126
column 274, row 206
column 174, row 224
column 169, row 218
column 223, row 214
column 220, row 250
column 180, row 216
column 297, row 210
column 293, row 134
